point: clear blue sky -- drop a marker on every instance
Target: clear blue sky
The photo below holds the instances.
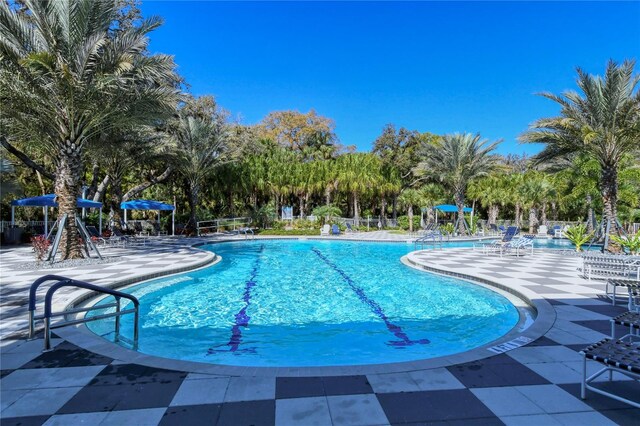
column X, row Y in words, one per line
column 438, row 67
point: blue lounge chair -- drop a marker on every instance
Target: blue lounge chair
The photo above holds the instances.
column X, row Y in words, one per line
column 350, row 228
column 335, row 230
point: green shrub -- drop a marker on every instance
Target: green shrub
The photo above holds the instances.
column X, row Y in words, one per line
column 403, row 222
column 578, row 235
column 631, row 242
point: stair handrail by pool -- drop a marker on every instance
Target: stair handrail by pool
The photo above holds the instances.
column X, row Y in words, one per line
column 68, row 282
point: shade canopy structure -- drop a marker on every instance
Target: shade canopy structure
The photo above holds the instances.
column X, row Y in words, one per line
column 145, row 205
column 450, row 208
column 49, row 200
column 150, row 205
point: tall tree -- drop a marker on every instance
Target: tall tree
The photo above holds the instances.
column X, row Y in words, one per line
column 603, row 122
column 67, row 72
column 455, row 160
column 199, row 134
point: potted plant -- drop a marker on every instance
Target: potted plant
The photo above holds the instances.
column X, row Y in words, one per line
column 578, row 235
column 630, row 242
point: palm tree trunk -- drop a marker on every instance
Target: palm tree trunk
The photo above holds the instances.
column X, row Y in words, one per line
column 430, row 216
column 609, row 191
column 194, row 193
column 589, row 213
column 410, row 215
column 115, row 199
column 460, row 204
column 302, row 206
column 383, row 211
column 67, row 188
column 533, row 219
column 356, row 213
column 394, row 207
column 543, row 214
column 517, row 215
column 327, row 195
column 493, row 214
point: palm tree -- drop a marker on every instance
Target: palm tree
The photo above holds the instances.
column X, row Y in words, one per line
column 601, row 123
column 431, row 194
column 201, row 147
column 357, row 174
column 409, row 198
column 455, row 160
column 68, row 72
column 488, row 191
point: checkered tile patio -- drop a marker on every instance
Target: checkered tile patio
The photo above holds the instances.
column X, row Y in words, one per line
column 536, row 384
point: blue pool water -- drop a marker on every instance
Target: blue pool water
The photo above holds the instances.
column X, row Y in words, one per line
column 313, row 303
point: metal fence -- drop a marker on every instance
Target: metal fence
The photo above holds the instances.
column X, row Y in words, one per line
column 224, row 224
column 25, row 224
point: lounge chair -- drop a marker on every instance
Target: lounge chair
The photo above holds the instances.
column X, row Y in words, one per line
column 542, row 230
column 325, row 230
column 523, row 243
column 617, row 355
column 493, row 228
column 607, row 265
column 497, row 245
column 350, row 228
column 335, row 230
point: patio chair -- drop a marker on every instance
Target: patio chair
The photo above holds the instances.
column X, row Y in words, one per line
column 523, row 243
column 604, row 265
column 629, row 319
column 613, row 284
column 497, row 245
column 542, row 230
column 95, row 236
column 617, row 355
column 634, row 297
column 493, row 228
column 335, row 230
column 325, row 230
column 350, row 228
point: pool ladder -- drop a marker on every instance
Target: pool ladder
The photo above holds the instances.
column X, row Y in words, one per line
column 68, row 282
column 433, row 238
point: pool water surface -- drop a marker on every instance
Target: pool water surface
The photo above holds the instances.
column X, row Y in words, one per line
column 312, row 303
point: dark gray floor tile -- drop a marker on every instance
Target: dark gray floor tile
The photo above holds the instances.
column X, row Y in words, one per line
column 192, row 415
column 432, row 406
column 67, row 355
column 480, row 374
column 92, row 399
column 134, row 373
column 625, row 389
column 24, row 421
column 249, row 413
column 543, row 341
column 346, row 385
column 298, row 387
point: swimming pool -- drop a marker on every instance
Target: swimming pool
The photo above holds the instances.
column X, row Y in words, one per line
column 313, row 303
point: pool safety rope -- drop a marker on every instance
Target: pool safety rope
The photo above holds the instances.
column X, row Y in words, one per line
column 374, row 306
column 241, row 318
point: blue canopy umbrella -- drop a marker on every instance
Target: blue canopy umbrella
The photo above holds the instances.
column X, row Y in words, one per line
column 49, row 200
column 150, row 205
column 450, row 208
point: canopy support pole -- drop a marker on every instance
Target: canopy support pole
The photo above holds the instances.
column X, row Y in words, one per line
column 125, row 218
column 13, row 216
column 173, row 222
column 158, row 222
column 46, row 221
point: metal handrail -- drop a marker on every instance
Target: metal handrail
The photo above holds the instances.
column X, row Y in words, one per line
column 68, row 282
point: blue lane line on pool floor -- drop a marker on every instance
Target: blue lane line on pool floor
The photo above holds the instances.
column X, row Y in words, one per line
column 241, row 318
column 374, row 306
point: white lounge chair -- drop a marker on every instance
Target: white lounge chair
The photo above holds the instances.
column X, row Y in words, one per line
column 325, row 230
column 542, row 230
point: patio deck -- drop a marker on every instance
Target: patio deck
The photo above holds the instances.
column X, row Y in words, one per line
column 533, row 384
